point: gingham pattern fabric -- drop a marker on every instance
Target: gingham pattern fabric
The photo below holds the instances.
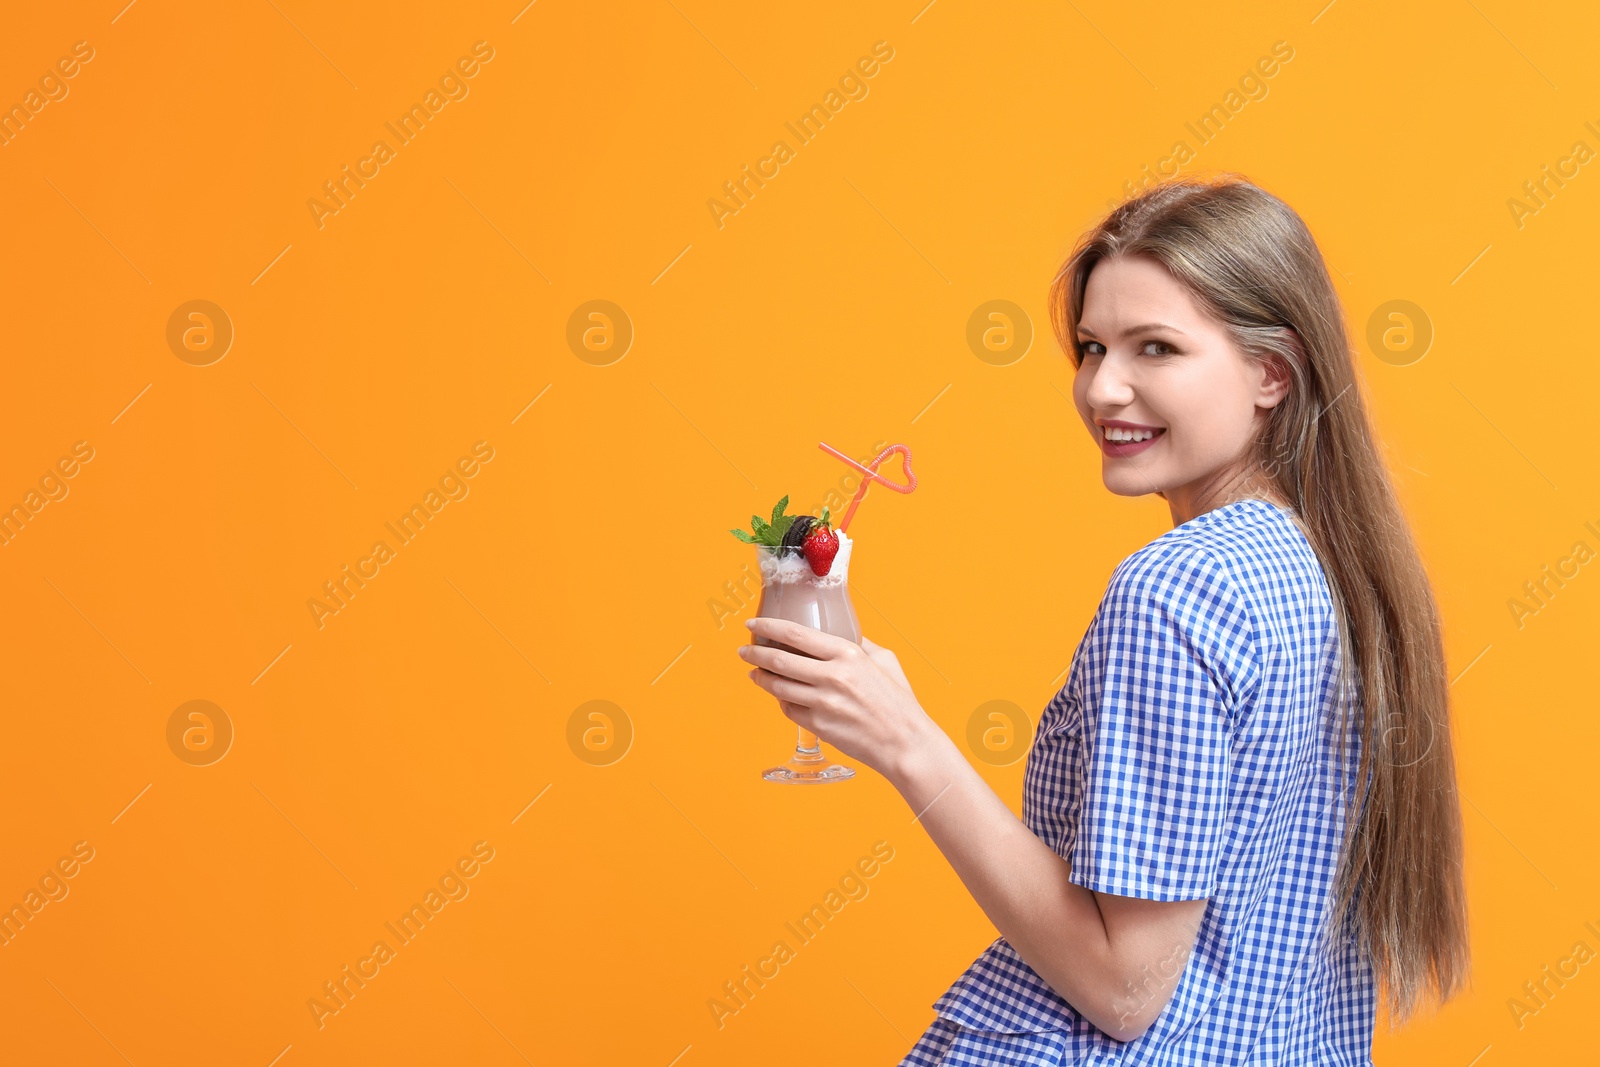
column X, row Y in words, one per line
column 1193, row 753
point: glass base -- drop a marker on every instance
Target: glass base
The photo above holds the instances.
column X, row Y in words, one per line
column 803, row 768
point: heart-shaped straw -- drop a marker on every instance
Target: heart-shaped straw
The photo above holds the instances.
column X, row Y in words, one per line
column 870, row 474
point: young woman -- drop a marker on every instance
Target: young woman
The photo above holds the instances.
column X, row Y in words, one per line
column 1240, row 813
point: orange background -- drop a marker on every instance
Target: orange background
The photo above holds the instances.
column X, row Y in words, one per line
column 372, row 753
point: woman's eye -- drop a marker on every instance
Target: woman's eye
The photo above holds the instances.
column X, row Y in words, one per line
column 1094, row 348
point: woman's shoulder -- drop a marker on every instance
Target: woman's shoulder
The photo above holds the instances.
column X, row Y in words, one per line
column 1223, row 554
column 1186, row 587
column 1168, row 572
column 1173, row 601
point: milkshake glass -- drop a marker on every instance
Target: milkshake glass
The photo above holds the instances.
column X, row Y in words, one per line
column 791, row 590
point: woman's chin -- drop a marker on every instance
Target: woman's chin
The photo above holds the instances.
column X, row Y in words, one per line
column 1130, row 483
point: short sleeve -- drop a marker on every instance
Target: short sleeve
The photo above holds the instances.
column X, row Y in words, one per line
column 1171, row 647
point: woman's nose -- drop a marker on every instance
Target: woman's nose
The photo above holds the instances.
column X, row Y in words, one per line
column 1108, row 386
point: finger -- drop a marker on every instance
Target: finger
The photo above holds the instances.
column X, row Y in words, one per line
column 797, row 712
column 801, row 668
column 806, row 639
column 873, row 646
column 785, row 688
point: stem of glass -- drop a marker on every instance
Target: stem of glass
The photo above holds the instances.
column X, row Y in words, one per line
column 809, row 748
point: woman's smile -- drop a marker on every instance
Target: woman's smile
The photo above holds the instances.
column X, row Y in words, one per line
column 1119, row 439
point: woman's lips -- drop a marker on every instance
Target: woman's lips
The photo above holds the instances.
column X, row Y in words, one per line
column 1123, row 449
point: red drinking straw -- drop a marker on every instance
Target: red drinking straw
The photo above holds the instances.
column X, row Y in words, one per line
column 869, row 474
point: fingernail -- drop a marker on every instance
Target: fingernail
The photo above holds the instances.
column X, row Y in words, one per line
column 749, row 624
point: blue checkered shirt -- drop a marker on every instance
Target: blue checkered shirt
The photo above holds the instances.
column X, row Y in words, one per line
column 1193, row 753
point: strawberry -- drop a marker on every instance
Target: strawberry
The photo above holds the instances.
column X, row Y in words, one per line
column 820, row 546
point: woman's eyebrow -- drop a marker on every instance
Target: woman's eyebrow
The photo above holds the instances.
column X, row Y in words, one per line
column 1142, row 328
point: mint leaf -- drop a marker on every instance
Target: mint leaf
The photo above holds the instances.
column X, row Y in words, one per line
column 780, row 521
column 768, row 533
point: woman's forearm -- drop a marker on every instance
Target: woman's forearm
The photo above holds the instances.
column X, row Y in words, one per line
column 1018, row 880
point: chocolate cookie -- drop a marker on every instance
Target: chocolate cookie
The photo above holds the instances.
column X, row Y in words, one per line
column 796, row 534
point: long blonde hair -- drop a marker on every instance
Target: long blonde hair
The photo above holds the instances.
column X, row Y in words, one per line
column 1249, row 260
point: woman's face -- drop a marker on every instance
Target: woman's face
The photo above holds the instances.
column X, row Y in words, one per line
column 1152, row 359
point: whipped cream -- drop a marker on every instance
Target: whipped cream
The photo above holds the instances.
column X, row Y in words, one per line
column 795, row 568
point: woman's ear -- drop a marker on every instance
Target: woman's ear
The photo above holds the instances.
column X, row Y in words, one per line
column 1276, row 378
column 1275, row 382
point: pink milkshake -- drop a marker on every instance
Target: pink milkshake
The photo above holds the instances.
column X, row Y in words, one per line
column 791, row 590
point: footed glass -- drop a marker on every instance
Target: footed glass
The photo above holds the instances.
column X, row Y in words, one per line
column 791, row 590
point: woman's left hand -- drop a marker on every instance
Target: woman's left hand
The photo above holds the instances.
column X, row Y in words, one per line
column 842, row 696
